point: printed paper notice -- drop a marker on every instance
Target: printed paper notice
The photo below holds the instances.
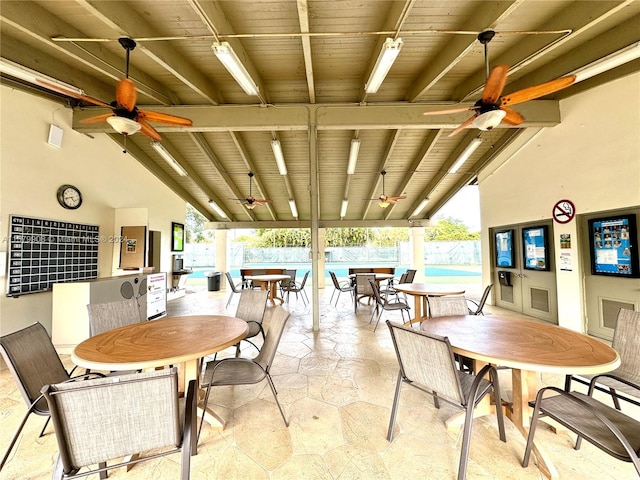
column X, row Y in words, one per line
column 156, row 295
column 566, row 262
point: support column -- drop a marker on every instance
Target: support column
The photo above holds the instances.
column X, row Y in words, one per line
column 321, row 258
column 417, row 239
column 221, row 256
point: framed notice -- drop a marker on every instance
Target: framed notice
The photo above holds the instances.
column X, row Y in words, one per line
column 613, row 248
column 535, row 246
column 504, row 249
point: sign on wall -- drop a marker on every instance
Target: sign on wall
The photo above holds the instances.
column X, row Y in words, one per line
column 43, row 252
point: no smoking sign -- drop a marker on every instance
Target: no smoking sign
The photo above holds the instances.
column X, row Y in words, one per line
column 564, row 211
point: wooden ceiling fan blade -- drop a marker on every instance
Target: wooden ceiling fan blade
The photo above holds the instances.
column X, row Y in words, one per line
column 394, row 199
column 537, row 91
column 97, row 119
column 462, row 126
column 451, row 110
column 148, row 130
column 165, row 118
column 495, row 84
column 260, row 201
column 73, row 94
column 512, row 117
column 126, row 94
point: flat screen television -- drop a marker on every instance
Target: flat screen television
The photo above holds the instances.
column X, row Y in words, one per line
column 177, row 237
column 535, row 247
column 613, row 247
column 504, row 249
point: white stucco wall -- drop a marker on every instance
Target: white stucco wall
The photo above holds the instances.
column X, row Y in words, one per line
column 31, row 171
column 592, row 158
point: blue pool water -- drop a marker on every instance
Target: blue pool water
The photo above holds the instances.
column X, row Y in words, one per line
column 342, row 271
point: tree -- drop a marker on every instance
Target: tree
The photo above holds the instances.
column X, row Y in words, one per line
column 194, row 228
column 450, row 229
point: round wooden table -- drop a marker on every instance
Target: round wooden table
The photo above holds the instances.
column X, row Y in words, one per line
column 421, row 292
column 180, row 341
column 527, row 347
column 269, row 282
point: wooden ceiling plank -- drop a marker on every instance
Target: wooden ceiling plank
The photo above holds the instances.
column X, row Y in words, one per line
column 128, row 21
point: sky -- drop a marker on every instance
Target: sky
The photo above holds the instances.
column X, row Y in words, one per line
column 464, row 206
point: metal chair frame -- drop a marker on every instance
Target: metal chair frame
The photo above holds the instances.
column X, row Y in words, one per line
column 435, row 373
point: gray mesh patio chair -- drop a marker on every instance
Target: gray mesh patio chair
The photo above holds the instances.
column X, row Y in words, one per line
column 475, row 308
column 451, row 305
column 110, row 315
column 247, row 371
column 251, row 308
column 298, row 287
column 426, row 363
column 96, row 421
column 235, row 288
column 33, row 361
column 626, row 378
column 363, row 288
column 448, row 305
column 605, row 427
column 344, row 286
column 410, row 276
column 384, row 305
column 390, row 288
column 291, row 282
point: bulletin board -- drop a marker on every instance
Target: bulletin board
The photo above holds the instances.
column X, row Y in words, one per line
column 43, row 252
column 133, row 247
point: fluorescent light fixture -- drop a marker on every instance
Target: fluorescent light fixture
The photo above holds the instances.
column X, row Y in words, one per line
column 158, row 147
column 23, row 73
column 343, row 208
column 217, row 209
column 277, row 152
column 420, row 207
column 123, row 125
column 464, row 156
column 232, row 63
column 294, row 210
column 609, row 62
column 353, row 156
column 388, row 54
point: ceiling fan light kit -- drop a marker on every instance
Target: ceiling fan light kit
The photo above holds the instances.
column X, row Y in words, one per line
column 488, row 120
column 158, row 147
column 277, row 153
column 388, row 54
column 234, row 66
column 353, row 156
column 124, row 126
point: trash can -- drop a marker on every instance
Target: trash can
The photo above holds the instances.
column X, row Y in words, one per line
column 213, row 281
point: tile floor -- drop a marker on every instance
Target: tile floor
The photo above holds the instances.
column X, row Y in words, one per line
column 337, row 388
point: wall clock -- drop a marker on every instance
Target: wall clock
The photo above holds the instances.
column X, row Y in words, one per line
column 69, row 197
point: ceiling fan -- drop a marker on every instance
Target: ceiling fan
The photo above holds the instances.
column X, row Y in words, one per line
column 125, row 117
column 251, row 202
column 384, row 200
column 492, row 108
